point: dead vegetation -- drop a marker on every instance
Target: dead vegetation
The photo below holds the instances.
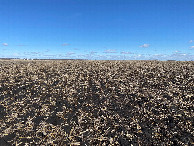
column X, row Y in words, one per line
column 96, row 103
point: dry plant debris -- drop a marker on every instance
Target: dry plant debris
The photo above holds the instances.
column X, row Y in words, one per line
column 96, row 102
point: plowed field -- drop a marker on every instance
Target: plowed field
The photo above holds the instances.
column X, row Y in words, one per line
column 96, row 102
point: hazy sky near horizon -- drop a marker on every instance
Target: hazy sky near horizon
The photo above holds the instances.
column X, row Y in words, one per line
column 97, row 29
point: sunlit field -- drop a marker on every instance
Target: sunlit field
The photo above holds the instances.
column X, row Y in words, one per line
column 82, row 102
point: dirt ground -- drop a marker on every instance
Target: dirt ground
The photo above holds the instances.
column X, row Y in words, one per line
column 96, row 102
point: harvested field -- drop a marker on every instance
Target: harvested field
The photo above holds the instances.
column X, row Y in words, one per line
column 96, row 102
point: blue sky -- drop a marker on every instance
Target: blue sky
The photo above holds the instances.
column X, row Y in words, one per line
column 97, row 29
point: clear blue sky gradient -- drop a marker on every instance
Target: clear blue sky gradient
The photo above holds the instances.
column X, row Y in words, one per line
column 97, row 29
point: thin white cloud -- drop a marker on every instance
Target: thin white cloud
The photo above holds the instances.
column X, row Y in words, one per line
column 191, row 41
column 181, row 56
column 15, row 54
column 49, row 56
column 35, row 53
column 145, row 46
column 47, row 50
column 26, row 53
column 174, row 56
column 60, row 55
column 65, row 44
column 192, row 47
column 93, row 52
column 109, row 51
column 69, row 53
column 32, row 53
column 5, row 44
column 123, row 52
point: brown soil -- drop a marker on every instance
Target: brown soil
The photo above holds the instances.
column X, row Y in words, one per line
column 96, row 102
